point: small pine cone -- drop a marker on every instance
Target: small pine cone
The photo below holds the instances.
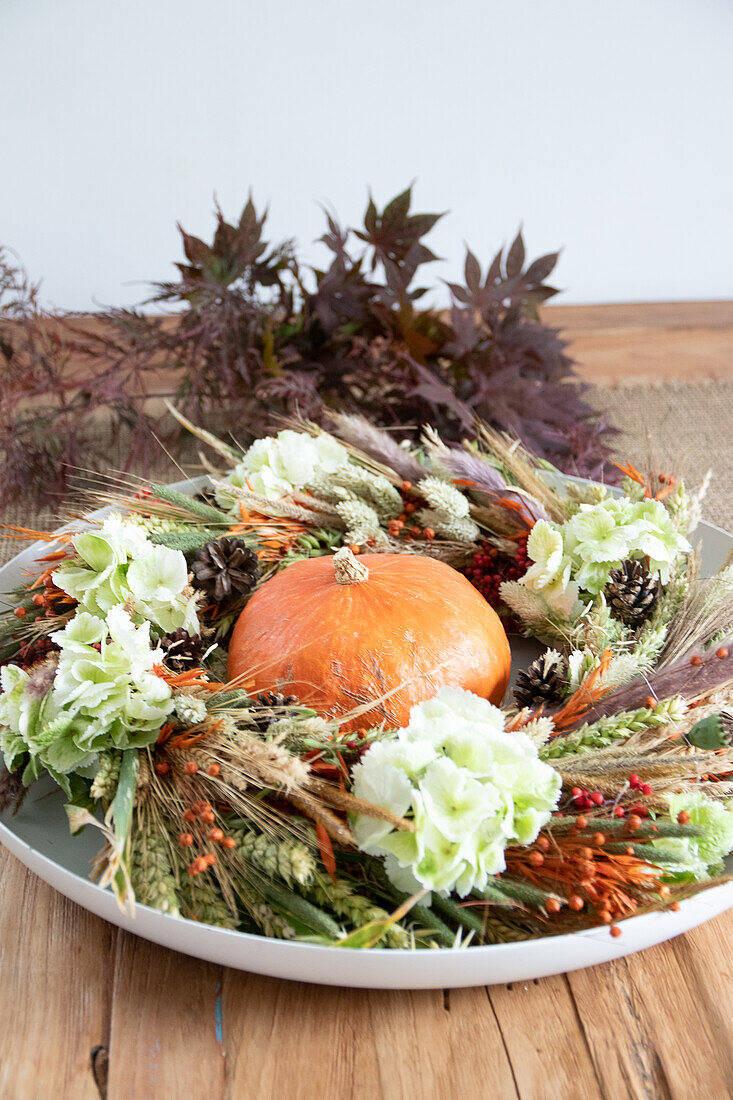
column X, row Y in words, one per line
column 207, row 495
column 542, row 682
column 632, row 593
column 225, row 569
column 269, row 701
column 182, row 650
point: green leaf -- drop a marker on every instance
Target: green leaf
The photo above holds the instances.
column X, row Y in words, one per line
column 125, row 796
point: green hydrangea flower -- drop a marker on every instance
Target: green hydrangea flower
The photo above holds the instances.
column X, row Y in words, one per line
column 579, row 555
column 99, row 694
column 118, row 564
column 700, row 856
column 470, row 788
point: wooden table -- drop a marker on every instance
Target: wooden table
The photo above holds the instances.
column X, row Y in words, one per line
column 88, row 1011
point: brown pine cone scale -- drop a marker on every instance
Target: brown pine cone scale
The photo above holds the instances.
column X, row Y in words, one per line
column 225, row 570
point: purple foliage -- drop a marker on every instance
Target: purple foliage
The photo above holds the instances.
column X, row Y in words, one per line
column 252, row 337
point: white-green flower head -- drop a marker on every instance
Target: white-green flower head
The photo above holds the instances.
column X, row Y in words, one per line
column 549, row 575
column 468, row 785
column 102, row 694
column 118, row 564
column 700, row 856
column 105, row 681
column 278, row 465
column 597, row 539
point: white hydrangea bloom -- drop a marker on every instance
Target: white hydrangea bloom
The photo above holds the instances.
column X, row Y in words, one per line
column 277, row 465
column 118, row 564
column 469, row 786
column 579, row 555
column 100, row 693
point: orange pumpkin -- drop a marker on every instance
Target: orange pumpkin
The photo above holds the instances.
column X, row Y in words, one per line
column 340, row 632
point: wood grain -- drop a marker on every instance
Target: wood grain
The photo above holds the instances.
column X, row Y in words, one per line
column 635, row 344
column 56, row 978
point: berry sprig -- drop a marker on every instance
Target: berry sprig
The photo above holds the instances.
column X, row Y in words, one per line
column 489, row 568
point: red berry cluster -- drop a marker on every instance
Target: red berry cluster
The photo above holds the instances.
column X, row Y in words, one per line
column 584, row 800
column 31, row 652
column 489, row 569
column 636, row 785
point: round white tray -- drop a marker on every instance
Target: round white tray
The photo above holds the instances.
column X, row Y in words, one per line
column 39, row 836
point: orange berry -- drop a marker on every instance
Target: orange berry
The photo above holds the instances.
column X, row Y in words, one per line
column 633, row 822
column 406, row 486
column 355, row 548
column 552, row 905
column 208, row 817
column 38, row 599
column 429, row 533
column 216, row 835
column 162, row 767
column 683, row 817
column 630, row 851
column 582, row 822
column 201, row 862
column 186, row 840
column 615, row 930
column 722, row 653
column 650, row 702
column 209, row 859
column 586, row 853
column 213, row 769
column 536, row 859
column 415, row 531
column 190, row 767
column 193, row 868
column 604, row 915
column 229, row 842
column 543, row 843
column 20, row 612
column 695, row 661
column 674, row 906
column 189, row 815
column 576, row 902
column 664, row 891
column 599, row 839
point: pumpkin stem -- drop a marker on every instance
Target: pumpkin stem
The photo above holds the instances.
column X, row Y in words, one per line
column 348, row 569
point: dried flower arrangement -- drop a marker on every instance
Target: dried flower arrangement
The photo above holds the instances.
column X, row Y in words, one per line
column 255, row 333
column 331, row 797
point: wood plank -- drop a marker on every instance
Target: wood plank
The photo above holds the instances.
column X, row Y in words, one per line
column 303, row 1041
column 57, row 988
column 545, row 1040
column 638, row 343
column 658, row 1024
column 163, row 1033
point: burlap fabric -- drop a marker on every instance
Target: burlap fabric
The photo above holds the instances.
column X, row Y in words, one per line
column 687, row 429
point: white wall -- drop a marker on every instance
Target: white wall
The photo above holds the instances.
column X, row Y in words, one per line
column 604, row 127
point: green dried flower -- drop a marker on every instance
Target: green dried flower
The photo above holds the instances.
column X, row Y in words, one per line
column 104, row 784
column 151, row 872
column 287, row 859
